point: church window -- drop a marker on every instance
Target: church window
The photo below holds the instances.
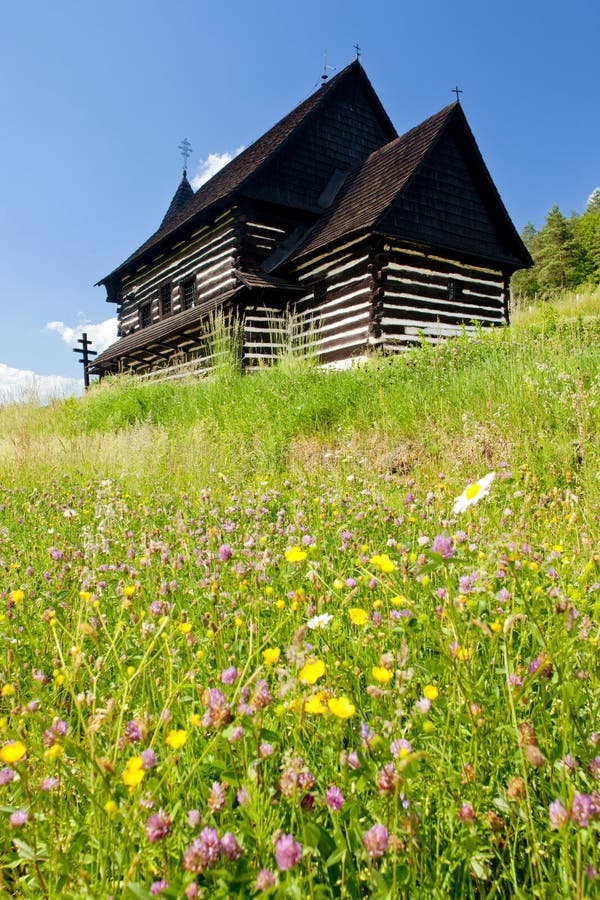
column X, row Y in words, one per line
column 188, row 293
column 165, row 300
column 145, row 315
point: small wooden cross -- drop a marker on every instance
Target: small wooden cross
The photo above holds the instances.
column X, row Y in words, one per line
column 457, row 91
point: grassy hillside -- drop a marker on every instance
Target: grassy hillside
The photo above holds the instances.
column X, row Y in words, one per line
column 252, row 645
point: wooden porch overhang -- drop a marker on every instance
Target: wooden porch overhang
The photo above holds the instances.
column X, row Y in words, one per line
column 162, row 339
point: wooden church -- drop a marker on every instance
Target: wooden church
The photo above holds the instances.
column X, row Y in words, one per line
column 369, row 240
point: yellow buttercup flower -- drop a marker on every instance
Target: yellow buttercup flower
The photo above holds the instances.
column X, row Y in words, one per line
column 17, row 596
column 311, row 672
column 110, row 808
column 134, row 773
column 54, row 752
column 8, row 690
column 338, row 584
column 176, row 738
column 381, row 674
column 358, row 616
column 295, row 554
column 431, row 692
column 315, row 705
column 271, row 655
column 12, row 752
column 341, row 707
column 383, row 563
column 185, row 627
column 129, row 590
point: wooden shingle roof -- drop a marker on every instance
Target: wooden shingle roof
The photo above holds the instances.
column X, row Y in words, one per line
column 226, row 183
column 182, row 196
column 389, row 193
column 374, row 185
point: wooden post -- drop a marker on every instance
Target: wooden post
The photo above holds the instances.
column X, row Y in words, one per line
column 85, row 357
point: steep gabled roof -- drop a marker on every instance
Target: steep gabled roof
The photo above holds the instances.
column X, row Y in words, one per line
column 374, row 185
column 229, row 180
column 399, row 190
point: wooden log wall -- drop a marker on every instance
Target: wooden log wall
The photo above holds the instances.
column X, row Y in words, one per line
column 266, row 332
column 335, row 326
column 209, row 256
column 412, row 297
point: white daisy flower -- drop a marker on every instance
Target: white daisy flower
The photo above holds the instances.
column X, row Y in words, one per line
column 473, row 493
column 321, row 621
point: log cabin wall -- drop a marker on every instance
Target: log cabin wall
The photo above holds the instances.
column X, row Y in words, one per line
column 432, row 296
column 209, row 257
column 333, row 315
column 266, row 331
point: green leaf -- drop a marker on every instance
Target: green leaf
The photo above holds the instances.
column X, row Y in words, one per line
column 336, row 857
column 136, row 890
column 480, row 867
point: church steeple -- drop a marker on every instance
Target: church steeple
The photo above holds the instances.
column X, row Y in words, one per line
column 183, row 193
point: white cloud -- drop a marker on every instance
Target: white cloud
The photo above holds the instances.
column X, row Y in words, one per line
column 211, row 165
column 20, row 385
column 102, row 334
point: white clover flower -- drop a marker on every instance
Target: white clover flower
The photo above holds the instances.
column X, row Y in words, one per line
column 321, row 621
column 473, row 493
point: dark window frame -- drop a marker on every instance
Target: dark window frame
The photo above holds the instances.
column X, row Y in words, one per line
column 146, row 315
column 319, row 290
column 454, row 289
column 189, row 300
column 165, row 293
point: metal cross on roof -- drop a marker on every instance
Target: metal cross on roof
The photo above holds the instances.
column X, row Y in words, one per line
column 325, row 76
column 358, row 51
column 185, row 148
column 457, row 91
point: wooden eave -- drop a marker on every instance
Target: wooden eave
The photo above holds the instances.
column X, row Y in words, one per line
column 160, row 332
column 263, row 281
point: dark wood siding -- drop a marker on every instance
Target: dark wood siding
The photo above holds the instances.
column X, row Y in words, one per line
column 209, row 257
column 415, row 300
column 336, row 324
column 444, row 206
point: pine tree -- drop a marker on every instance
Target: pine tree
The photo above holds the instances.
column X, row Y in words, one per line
column 557, row 256
column 593, row 204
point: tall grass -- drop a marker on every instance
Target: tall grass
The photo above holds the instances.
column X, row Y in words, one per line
column 527, row 394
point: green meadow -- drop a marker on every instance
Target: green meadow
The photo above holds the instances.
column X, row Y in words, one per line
column 306, row 633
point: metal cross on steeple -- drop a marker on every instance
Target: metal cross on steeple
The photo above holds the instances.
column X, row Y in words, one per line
column 457, row 91
column 185, row 148
column 358, row 51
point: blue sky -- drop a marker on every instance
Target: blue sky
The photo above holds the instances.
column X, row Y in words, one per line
column 95, row 98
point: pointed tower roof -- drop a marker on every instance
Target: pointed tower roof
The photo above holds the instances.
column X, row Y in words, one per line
column 183, row 193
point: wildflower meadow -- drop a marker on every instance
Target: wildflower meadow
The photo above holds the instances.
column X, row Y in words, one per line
column 349, row 680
